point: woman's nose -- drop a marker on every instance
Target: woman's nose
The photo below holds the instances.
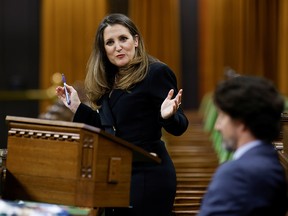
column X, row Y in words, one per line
column 118, row 47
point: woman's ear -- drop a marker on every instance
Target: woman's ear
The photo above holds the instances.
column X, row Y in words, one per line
column 136, row 37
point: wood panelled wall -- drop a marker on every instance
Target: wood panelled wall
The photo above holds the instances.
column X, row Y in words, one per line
column 67, row 32
column 250, row 36
column 282, row 46
column 159, row 23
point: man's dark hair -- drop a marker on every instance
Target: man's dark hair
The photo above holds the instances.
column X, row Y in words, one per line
column 254, row 101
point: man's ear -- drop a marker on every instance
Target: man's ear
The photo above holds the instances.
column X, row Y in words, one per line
column 242, row 126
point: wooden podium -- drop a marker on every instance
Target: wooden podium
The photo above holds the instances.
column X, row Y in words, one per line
column 68, row 163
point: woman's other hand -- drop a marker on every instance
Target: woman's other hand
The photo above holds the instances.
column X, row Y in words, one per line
column 169, row 105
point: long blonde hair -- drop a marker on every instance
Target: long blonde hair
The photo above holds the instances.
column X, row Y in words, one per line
column 100, row 78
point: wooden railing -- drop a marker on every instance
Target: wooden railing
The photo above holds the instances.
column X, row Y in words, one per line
column 195, row 161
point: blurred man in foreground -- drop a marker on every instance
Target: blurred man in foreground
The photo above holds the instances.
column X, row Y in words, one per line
column 253, row 182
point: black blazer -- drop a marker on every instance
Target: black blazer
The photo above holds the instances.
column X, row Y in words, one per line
column 136, row 113
column 137, row 119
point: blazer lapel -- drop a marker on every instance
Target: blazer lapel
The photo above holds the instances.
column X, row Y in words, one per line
column 117, row 93
column 106, row 116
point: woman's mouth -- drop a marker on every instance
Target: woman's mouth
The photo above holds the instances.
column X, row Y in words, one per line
column 120, row 55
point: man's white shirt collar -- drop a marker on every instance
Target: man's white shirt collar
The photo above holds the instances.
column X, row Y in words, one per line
column 243, row 149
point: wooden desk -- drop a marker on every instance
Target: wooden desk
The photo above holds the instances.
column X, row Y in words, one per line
column 68, row 163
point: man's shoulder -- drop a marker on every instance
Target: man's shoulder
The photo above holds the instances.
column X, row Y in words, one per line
column 259, row 158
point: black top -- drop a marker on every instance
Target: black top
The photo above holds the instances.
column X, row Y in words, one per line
column 137, row 119
column 136, row 112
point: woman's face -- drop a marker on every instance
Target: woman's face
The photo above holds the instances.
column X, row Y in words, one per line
column 119, row 44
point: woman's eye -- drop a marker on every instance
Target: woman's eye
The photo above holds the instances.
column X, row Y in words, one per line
column 109, row 43
column 123, row 38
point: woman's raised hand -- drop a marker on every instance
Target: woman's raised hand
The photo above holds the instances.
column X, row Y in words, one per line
column 73, row 95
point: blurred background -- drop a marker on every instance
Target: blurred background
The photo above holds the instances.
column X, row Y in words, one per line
column 201, row 40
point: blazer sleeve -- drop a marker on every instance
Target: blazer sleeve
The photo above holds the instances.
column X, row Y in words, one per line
column 161, row 80
column 86, row 115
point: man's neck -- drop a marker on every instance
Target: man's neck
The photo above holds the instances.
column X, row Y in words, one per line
column 245, row 138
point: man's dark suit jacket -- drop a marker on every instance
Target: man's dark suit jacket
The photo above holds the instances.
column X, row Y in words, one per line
column 253, row 185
